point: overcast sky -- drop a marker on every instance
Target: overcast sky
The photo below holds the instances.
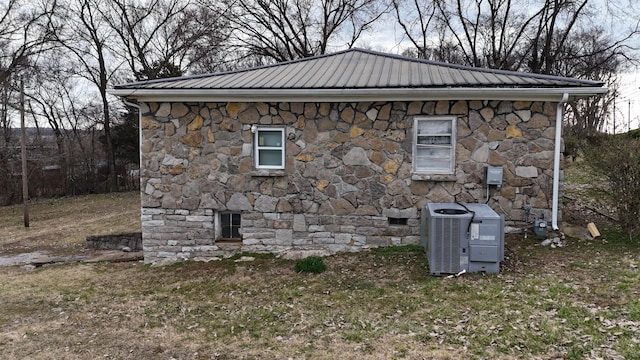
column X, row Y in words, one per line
column 620, row 16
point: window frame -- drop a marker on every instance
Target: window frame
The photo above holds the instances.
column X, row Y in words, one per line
column 257, row 148
column 219, row 226
column 451, row 146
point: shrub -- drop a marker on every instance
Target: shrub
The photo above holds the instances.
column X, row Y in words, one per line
column 311, row 264
column 618, row 158
column 572, row 147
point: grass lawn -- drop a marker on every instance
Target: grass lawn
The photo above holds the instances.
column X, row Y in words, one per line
column 581, row 301
column 60, row 226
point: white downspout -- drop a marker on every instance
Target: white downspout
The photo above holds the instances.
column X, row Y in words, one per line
column 556, row 162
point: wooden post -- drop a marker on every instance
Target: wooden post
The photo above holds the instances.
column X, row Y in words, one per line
column 25, row 176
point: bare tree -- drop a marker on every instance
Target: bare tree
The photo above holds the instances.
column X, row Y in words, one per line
column 555, row 23
column 489, row 33
column 26, row 29
column 162, row 38
column 87, row 40
column 591, row 54
column 280, row 30
column 417, row 18
column 555, row 37
column 57, row 97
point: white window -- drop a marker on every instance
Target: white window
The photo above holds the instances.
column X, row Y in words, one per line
column 269, row 148
column 434, row 145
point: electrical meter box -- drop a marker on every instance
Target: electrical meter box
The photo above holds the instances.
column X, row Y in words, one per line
column 494, row 175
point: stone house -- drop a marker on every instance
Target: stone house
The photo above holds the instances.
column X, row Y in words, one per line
column 339, row 152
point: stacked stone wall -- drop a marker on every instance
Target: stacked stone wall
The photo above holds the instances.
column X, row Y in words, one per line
column 348, row 169
column 127, row 241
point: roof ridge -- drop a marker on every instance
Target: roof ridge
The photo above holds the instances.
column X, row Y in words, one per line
column 236, row 71
column 473, row 68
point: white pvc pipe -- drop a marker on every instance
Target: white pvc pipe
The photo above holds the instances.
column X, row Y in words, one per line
column 556, row 162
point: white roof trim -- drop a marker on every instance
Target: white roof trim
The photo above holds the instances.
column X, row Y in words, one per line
column 354, row 95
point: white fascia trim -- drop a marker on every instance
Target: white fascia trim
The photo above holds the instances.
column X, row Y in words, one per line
column 353, row 95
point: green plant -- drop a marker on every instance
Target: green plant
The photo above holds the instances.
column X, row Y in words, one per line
column 311, row 264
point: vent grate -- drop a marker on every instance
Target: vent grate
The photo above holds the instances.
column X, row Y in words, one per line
column 446, row 245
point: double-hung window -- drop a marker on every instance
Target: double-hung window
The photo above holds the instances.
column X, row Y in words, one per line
column 434, row 145
column 269, row 148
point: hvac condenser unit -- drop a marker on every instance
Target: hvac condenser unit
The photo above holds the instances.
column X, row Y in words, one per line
column 462, row 237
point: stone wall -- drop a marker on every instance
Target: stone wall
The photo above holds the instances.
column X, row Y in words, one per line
column 128, row 241
column 348, row 170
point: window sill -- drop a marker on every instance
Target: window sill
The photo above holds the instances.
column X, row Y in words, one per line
column 267, row 172
column 433, row 177
column 228, row 242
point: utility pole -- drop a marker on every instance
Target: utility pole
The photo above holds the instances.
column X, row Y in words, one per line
column 25, row 177
column 629, row 117
column 614, row 115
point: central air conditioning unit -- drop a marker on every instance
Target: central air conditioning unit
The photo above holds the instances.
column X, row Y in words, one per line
column 462, row 238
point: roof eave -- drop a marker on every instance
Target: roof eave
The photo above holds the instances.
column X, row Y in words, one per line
column 355, row 95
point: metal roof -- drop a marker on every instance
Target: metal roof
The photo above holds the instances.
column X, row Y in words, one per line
column 353, row 72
